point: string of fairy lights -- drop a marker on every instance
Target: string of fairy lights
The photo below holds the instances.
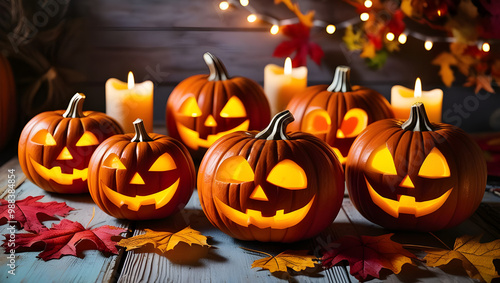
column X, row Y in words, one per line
column 332, row 28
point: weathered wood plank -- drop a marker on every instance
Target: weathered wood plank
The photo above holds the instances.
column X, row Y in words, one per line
column 19, row 176
column 94, row 266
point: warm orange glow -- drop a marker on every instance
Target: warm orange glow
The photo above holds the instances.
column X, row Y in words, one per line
column 190, row 107
column 355, row 121
column 402, row 38
column 339, row 155
column 234, row 108
column 235, row 169
column 418, row 88
column 113, row 161
column 428, row 45
column 65, row 154
column 259, row 194
column 244, row 3
column 159, row 199
column 87, row 139
column 287, row 70
column 192, row 139
column 368, row 3
column 251, row 18
column 224, row 5
column 330, row 29
column 281, row 220
column 485, row 47
column 287, row 174
column 381, row 161
column 407, row 204
column 130, row 81
column 435, row 165
column 210, row 121
column 57, row 176
column 407, row 183
column 164, row 163
column 137, row 180
column 316, row 121
column 274, row 29
column 364, row 17
column 44, row 137
column 390, row 36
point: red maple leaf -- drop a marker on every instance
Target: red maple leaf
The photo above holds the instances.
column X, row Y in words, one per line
column 62, row 239
column 24, row 212
column 300, row 44
column 367, row 255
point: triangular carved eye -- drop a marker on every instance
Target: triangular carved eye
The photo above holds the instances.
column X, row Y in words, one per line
column 381, row 161
column 235, row 170
column 190, row 108
column 87, row 139
column 287, row 174
column 355, row 121
column 434, row 166
column 163, row 163
column 44, row 137
column 234, row 108
column 113, row 161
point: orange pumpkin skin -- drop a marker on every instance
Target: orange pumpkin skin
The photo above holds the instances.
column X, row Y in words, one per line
column 60, row 144
column 137, row 185
column 433, row 175
column 257, row 201
column 7, row 102
column 321, row 110
column 211, row 94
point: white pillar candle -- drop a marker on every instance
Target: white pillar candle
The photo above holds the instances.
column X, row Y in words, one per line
column 403, row 98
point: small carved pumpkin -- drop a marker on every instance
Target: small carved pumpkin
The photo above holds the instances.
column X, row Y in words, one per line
column 7, row 102
column 270, row 186
column 415, row 175
column 142, row 176
column 203, row 108
column 337, row 113
column 55, row 146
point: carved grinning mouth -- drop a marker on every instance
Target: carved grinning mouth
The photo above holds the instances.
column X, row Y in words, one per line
column 407, row 204
column 56, row 174
column 192, row 138
column 280, row 221
column 159, row 199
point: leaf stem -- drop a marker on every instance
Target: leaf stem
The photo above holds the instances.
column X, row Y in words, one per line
column 432, row 234
column 255, row 251
column 93, row 214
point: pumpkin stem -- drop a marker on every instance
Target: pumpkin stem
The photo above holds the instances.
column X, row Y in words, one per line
column 276, row 130
column 75, row 106
column 141, row 135
column 418, row 120
column 217, row 70
column 341, row 80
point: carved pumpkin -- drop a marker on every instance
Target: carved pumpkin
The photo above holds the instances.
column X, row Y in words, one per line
column 203, row 108
column 337, row 113
column 141, row 176
column 270, row 186
column 55, row 146
column 7, row 102
column 415, row 175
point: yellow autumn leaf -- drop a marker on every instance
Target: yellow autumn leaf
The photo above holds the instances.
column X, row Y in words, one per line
column 164, row 241
column 477, row 258
column 353, row 40
column 392, row 46
column 407, row 8
column 296, row 260
column 368, row 51
column 445, row 60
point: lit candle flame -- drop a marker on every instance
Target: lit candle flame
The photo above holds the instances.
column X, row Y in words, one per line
column 131, row 82
column 288, row 66
column 418, row 88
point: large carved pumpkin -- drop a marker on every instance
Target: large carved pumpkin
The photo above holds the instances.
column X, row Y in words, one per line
column 55, row 146
column 141, row 176
column 271, row 186
column 415, row 175
column 339, row 112
column 203, row 108
column 7, row 102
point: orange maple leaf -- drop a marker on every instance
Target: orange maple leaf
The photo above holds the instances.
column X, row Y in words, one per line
column 477, row 258
column 445, row 60
column 164, row 241
column 296, row 260
column 306, row 20
column 368, row 255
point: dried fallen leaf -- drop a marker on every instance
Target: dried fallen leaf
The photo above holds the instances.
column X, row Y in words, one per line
column 62, row 238
column 480, row 82
column 368, row 255
column 477, row 258
column 296, row 260
column 164, row 241
column 445, row 60
column 25, row 212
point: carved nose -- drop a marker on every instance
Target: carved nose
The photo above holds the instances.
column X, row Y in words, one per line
column 210, row 121
column 407, row 183
column 258, row 194
column 65, row 155
column 137, row 180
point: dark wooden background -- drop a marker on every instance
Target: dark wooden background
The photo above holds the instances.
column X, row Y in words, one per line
column 163, row 41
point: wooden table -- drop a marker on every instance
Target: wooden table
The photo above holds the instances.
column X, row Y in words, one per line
column 225, row 262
